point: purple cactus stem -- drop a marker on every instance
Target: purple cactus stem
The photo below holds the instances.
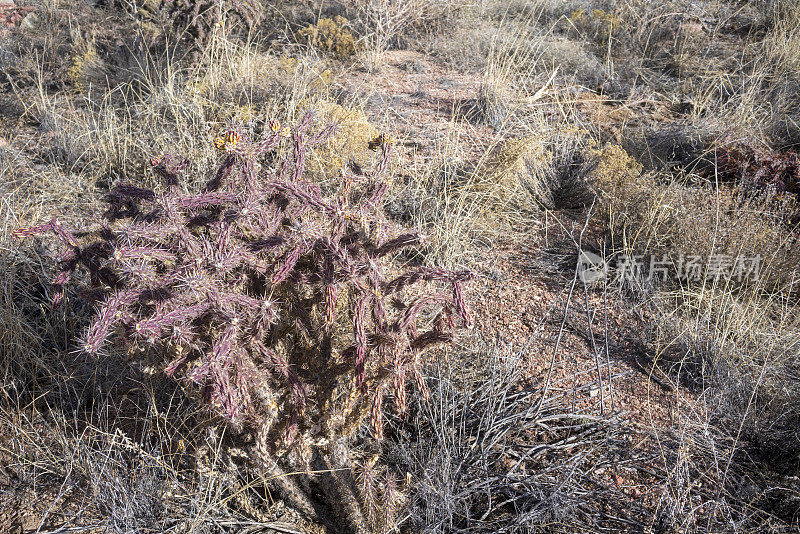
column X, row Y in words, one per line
column 110, row 313
column 222, row 175
column 287, row 264
column 379, row 190
column 432, row 337
column 419, row 381
column 126, row 191
column 427, row 274
column 360, row 338
column 53, row 225
column 399, row 242
column 147, row 253
column 292, row 190
column 330, row 303
column 399, row 386
column 34, row 230
column 323, row 135
column 266, row 144
column 266, row 244
column 205, row 200
column 144, row 233
column 409, row 317
column 377, row 411
column 156, row 325
column 176, row 365
column 461, row 306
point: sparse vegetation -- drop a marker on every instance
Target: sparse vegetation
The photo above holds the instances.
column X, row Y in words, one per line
column 263, row 332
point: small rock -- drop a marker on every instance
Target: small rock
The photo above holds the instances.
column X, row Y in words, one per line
column 30, row 22
column 416, row 66
column 448, row 83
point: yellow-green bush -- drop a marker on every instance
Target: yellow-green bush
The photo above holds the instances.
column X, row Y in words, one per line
column 598, row 24
column 618, row 181
column 85, row 65
column 330, row 36
column 349, row 142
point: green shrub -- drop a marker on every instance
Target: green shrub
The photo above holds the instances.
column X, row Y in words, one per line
column 330, row 36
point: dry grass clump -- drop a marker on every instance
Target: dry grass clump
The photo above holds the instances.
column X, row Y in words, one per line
column 465, row 46
column 554, row 176
column 51, row 48
column 422, row 201
column 749, row 95
column 737, row 352
column 169, row 109
column 549, row 170
column 386, row 24
column 543, row 167
column 649, row 31
column 434, row 197
column 197, row 20
column 738, row 224
column 508, row 77
column 85, row 458
column 461, row 203
column 467, row 35
column 233, row 72
column 490, row 455
column 571, row 58
column 381, row 23
column 510, row 164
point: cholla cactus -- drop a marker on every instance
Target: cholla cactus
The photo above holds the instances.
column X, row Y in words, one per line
column 282, row 305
